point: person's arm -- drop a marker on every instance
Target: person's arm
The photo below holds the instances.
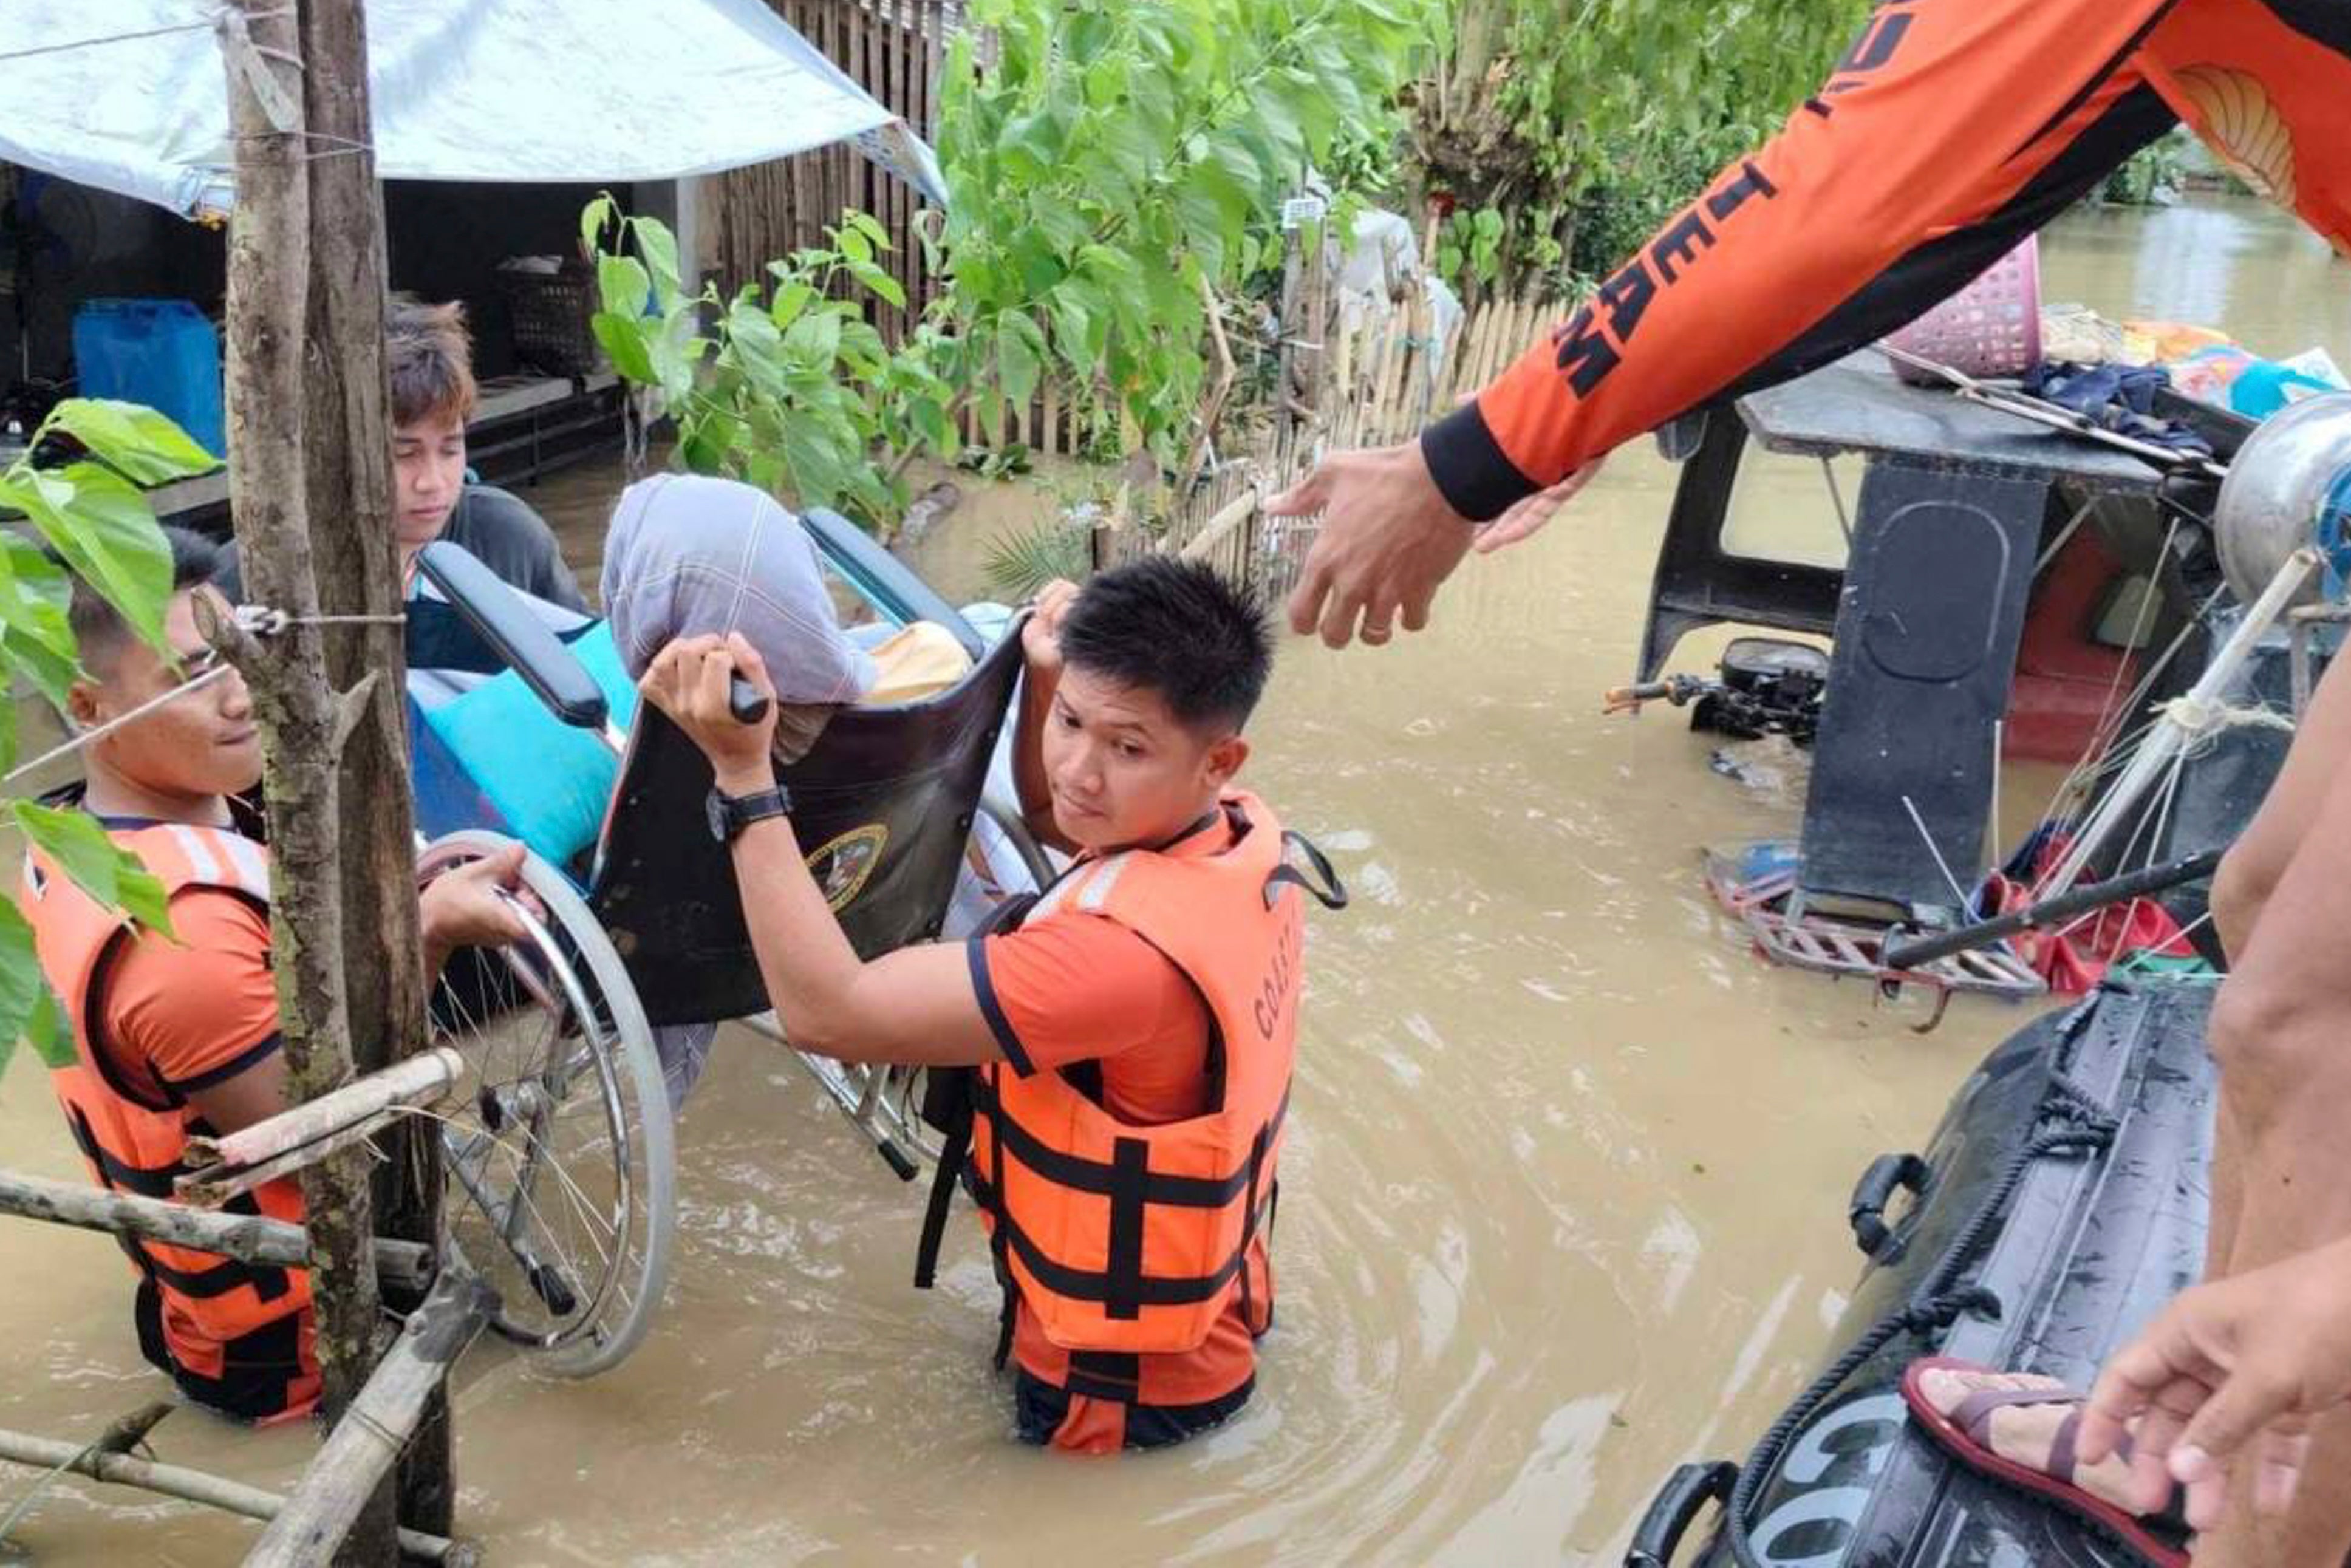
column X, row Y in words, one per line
column 199, row 1015
column 1948, row 133
column 917, row 1005
column 1042, row 648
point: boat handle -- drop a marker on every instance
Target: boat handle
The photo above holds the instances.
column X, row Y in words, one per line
column 1689, row 1488
column 1886, row 1175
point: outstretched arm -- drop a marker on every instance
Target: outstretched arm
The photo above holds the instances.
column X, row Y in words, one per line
column 1949, row 132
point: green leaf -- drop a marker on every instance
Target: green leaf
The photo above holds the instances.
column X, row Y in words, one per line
column 21, row 984
column 659, row 247
column 624, row 340
column 815, row 339
column 790, row 300
column 810, row 452
column 111, row 875
column 100, row 523
column 1017, row 359
column 706, row 440
column 623, row 285
column 593, row 218
column 880, row 282
column 48, row 1032
column 869, row 227
column 853, row 246
column 146, row 446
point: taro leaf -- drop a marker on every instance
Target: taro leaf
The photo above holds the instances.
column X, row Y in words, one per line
column 111, row 875
column 145, row 446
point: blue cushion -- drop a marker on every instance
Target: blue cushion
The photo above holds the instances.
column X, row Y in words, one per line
column 548, row 779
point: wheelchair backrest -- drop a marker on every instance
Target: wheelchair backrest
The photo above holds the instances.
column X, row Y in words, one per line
column 882, row 805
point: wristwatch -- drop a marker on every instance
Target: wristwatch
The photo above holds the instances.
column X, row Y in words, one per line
column 730, row 815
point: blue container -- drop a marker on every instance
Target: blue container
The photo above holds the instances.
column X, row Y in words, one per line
column 160, row 352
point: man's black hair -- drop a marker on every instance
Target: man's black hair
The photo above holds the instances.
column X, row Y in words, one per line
column 100, row 631
column 1178, row 628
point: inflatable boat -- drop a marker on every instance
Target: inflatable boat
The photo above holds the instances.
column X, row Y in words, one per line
column 2061, row 1200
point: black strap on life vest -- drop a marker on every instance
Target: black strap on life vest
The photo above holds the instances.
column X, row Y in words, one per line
column 949, row 1093
column 268, row 1281
column 1332, row 895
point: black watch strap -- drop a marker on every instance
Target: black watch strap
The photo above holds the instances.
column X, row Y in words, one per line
column 730, row 815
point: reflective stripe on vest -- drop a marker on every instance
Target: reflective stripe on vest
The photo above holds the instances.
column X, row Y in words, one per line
column 1131, row 1239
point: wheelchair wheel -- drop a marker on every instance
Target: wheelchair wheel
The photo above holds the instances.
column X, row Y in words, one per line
column 558, row 1155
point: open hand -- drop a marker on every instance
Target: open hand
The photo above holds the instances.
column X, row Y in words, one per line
column 2225, row 1381
column 690, row 679
column 1388, row 539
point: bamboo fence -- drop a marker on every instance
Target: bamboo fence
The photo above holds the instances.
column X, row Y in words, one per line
column 1372, row 383
column 894, row 49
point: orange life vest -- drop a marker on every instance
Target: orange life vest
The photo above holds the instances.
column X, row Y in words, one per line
column 233, row 1331
column 1128, row 1238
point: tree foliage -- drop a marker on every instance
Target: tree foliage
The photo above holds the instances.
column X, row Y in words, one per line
column 1106, row 158
column 78, row 485
column 787, row 387
column 1547, row 112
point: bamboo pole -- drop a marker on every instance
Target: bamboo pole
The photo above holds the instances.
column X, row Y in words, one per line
column 195, row 1485
column 1228, row 517
column 237, row 1162
column 248, row 1237
column 363, row 1445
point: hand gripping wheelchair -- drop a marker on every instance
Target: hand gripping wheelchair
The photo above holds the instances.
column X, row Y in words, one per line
column 560, row 1153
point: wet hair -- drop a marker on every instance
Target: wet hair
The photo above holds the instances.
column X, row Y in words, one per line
column 1178, row 628
column 431, row 358
column 98, row 628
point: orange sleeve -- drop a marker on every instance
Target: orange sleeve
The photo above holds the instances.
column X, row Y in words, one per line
column 1951, row 129
column 1078, row 987
column 198, row 1011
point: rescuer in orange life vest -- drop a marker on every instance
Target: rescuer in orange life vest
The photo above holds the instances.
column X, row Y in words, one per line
column 1132, row 1032
column 178, row 1036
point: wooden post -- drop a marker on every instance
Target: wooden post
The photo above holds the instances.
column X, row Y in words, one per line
column 347, row 470
column 300, row 718
column 359, row 1453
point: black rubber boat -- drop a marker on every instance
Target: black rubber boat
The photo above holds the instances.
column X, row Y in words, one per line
column 2061, row 1200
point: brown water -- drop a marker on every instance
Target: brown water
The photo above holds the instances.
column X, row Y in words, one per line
column 1564, row 1200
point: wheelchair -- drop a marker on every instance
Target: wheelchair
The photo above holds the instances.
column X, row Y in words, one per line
column 558, row 1152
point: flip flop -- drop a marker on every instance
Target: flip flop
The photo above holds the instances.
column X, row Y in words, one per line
column 1966, row 1435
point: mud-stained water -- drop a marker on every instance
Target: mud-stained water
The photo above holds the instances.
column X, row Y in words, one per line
column 1564, row 1200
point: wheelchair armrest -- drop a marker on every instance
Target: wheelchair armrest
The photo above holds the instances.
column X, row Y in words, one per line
column 883, row 578
column 530, row 647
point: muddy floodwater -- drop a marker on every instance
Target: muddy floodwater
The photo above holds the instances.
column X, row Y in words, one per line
column 1565, row 1198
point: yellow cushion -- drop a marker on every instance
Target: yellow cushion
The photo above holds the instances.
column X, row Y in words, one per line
column 919, row 661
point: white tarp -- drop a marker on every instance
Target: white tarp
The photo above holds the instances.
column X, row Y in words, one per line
column 131, row 95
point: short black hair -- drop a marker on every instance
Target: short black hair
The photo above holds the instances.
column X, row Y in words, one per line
column 99, row 628
column 1178, row 628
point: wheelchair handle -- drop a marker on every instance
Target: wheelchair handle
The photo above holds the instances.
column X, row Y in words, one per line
column 1886, row 1175
column 1689, row 1488
column 743, row 699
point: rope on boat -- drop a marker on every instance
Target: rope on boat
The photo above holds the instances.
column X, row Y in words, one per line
column 2072, row 1120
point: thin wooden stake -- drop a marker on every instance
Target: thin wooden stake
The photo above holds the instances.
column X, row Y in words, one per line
column 195, row 1485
